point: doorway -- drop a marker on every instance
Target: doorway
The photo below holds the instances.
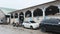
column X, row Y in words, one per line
column 21, row 18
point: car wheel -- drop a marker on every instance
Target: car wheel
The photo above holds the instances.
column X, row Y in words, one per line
column 31, row 27
column 43, row 29
column 23, row 26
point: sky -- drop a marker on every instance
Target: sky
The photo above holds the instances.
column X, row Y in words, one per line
column 21, row 4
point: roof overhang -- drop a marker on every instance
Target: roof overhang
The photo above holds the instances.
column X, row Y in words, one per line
column 34, row 6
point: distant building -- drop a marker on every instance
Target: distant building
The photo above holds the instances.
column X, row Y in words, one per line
column 6, row 11
column 36, row 13
column 2, row 17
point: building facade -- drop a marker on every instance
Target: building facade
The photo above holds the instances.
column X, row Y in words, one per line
column 2, row 17
column 35, row 13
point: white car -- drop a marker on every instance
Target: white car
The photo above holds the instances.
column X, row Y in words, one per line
column 30, row 24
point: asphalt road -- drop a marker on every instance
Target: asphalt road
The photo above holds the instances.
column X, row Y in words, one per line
column 9, row 29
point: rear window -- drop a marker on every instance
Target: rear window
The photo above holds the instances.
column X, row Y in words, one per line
column 50, row 21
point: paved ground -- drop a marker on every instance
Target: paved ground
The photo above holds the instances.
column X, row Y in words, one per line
column 8, row 29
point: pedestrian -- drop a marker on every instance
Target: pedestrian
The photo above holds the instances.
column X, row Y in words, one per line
column 13, row 24
column 17, row 24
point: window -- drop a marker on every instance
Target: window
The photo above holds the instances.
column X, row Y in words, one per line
column 26, row 22
column 53, row 21
column 7, row 16
column 32, row 22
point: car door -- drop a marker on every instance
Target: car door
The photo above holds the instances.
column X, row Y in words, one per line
column 27, row 24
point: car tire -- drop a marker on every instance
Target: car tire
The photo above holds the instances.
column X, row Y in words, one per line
column 31, row 27
column 43, row 29
column 23, row 26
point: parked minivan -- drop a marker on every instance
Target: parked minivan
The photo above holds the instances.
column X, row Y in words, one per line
column 50, row 25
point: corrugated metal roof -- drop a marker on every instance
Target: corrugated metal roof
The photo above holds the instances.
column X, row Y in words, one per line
column 7, row 10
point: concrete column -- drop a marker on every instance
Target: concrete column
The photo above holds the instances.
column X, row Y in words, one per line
column 18, row 16
column 24, row 14
column 43, row 14
column 13, row 17
column 32, row 14
column 10, row 18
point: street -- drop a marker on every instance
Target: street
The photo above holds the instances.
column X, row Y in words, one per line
column 9, row 29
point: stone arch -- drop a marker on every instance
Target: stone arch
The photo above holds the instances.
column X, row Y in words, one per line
column 28, row 13
column 16, row 15
column 11, row 15
column 37, row 12
column 51, row 10
column 21, row 17
column 21, row 14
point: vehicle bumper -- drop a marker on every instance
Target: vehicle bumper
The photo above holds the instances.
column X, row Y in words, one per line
column 53, row 28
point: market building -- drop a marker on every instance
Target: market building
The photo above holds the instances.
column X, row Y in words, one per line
column 35, row 13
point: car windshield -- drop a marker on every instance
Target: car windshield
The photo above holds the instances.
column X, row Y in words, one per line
column 50, row 21
column 32, row 22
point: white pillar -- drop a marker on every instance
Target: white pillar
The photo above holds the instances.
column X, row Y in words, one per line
column 43, row 14
column 32, row 14
column 13, row 17
column 10, row 18
column 24, row 16
column 18, row 16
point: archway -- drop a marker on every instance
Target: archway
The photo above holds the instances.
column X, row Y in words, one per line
column 51, row 10
column 16, row 15
column 37, row 12
column 21, row 17
column 7, row 17
column 28, row 14
column 11, row 15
